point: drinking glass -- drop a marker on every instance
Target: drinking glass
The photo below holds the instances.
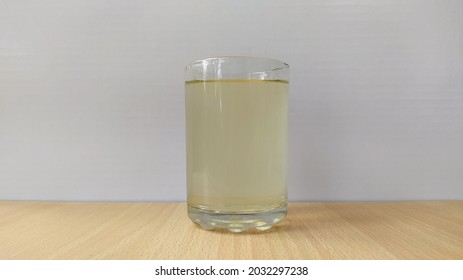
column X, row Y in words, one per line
column 236, row 142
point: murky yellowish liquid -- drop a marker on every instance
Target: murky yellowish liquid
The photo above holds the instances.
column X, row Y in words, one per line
column 236, row 144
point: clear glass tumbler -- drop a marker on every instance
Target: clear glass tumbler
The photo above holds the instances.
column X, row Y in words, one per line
column 236, row 142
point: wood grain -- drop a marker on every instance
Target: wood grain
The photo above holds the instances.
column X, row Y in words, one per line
column 335, row 230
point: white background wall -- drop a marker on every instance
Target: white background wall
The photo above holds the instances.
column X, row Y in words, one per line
column 92, row 104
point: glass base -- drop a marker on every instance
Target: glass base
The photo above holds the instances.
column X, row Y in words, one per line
column 235, row 222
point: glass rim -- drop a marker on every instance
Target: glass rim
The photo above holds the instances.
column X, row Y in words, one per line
column 283, row 65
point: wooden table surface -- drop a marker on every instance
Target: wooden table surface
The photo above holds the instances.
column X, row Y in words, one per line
column 334, row 230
